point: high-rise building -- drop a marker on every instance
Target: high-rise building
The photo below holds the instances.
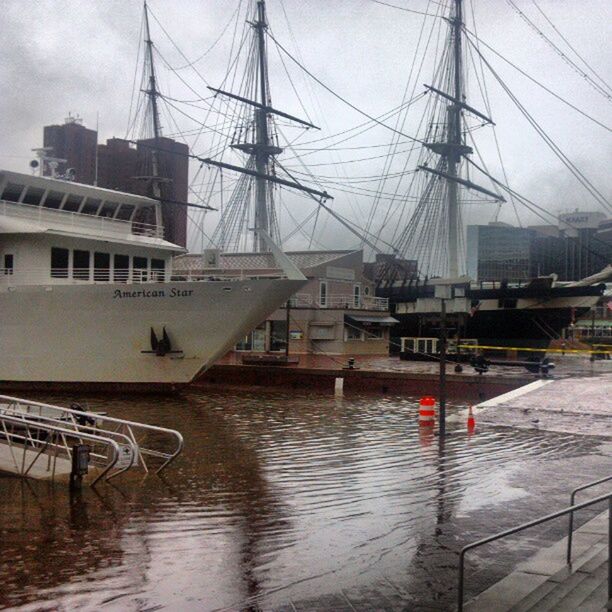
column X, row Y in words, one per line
column 123, row 166
column 76, row 144
column 498, row 251
column 579, row 246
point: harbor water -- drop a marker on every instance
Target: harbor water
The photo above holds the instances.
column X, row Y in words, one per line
column 289, row 501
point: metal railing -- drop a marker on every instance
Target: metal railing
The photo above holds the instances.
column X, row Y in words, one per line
column 348, row 302
column 534, row 523
column 149, row 441
column 105, row 276
column 50, row 442
column 570, row 532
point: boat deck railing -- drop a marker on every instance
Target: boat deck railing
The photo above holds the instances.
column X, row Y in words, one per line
column 153, row 447
column 105, row 276
column 76, row 220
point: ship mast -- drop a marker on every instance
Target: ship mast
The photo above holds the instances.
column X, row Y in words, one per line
column 263, row 151
column 454, row 140
column 153, row 93
column 453, row 149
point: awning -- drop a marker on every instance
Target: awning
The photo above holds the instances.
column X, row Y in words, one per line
column 370, row 319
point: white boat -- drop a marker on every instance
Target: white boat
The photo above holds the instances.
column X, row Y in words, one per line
column 87, row 293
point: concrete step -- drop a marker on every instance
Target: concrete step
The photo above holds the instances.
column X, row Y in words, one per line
column 597, row 600
column 587, row 587
column 543, row 581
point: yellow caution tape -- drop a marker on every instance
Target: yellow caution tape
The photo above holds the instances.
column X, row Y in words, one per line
column 536, row 350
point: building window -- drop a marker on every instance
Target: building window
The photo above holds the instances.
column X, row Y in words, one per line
column 357, row 296
column 323, row 294
column 366, row 291
column 59, row 262
column 80, row 264
column 278, row 335
column 8, row 264
column 375, row 333
column 158, row 270
column 102, row 267
column 352, row 333
column 121, row 266
column 140, row 269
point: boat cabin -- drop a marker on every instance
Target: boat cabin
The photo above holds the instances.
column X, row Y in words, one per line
column 59, row 232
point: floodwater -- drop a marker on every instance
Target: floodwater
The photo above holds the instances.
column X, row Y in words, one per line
column 288, row 501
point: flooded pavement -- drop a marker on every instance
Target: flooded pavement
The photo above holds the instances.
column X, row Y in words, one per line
column 290, row 501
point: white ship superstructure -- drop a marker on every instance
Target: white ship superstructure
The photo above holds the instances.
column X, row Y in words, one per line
column 87, row 293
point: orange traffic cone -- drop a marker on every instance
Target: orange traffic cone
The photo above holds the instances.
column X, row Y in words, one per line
column 427, row 412
column 471, row 422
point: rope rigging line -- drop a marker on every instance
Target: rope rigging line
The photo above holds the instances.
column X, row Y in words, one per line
column 549, row 142
column 532, row 79
column 563, row 56
column 564, row 39
column 342, row 99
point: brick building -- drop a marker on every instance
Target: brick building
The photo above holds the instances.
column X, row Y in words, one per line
column 76, row 144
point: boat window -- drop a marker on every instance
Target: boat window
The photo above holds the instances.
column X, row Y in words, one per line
column 53, row 199
column 125, row 212
column 140, row 268
column 72, row 203
column 8, row 264
column 80, row 264
column 101, row 266
column 33, row 196
column 109, row 209
column 59, row 262
column 91, row 206
column 122, row 268
column 158, row 269
column 12, row 192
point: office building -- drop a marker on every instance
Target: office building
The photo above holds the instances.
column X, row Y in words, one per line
column 76, row 144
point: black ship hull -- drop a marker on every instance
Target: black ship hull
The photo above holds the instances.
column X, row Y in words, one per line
column 512, row 317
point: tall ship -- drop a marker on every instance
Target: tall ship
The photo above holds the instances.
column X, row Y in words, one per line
column 498, row 313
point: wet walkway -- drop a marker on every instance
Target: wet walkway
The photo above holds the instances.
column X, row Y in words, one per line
column 288, row 499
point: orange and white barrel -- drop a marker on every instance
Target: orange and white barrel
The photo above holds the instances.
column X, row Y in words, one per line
column 427, row 411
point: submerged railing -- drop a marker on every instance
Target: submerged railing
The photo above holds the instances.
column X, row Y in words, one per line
column 153, row 447
column 48, row 443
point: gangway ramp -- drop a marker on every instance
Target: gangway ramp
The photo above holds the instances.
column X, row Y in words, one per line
column 37, row 440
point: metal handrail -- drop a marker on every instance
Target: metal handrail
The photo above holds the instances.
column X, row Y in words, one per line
column 41, row 421
column 534, row 523
column 570, row 533
column 52, row 428
column 129, row 425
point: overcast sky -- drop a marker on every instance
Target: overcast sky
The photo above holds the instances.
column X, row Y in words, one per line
column 79, row 56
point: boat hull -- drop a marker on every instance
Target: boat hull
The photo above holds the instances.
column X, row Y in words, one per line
column 59, row 335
